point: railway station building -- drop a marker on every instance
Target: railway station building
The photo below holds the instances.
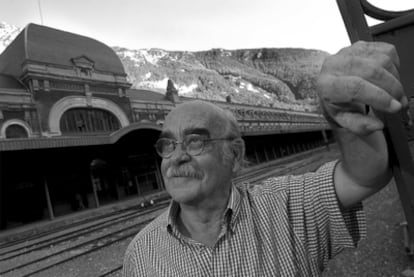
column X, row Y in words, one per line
column 74, row 135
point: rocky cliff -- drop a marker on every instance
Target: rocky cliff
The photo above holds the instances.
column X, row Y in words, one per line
column 270, row 77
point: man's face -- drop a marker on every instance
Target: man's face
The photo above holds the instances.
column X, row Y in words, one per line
column 205, row 177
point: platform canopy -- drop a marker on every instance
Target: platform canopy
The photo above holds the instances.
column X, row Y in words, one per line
column 62, row 141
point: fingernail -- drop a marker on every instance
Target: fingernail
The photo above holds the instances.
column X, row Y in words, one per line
column 374, row 126
column 377, row 126
column 395, row 105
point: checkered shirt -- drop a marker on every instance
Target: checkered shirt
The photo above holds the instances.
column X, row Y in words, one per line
column 286, row 226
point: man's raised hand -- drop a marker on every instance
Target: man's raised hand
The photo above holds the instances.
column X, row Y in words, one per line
column 363, row 74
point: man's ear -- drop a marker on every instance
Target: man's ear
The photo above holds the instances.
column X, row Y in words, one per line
column 236, row 166
column 238, row 151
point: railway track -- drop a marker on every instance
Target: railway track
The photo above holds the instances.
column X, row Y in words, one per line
column 40, row 234
column 261, row 174
column 115, row 271
column 52, row 238
column 77, row 250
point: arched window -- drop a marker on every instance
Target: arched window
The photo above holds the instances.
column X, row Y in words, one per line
column 88, row 120
column 16, row 131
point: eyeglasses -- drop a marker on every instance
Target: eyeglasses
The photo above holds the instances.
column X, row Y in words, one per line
column 192, row 144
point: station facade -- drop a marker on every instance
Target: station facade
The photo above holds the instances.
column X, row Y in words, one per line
column 74, row 134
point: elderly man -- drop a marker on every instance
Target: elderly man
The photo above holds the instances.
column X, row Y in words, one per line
column 285, row 226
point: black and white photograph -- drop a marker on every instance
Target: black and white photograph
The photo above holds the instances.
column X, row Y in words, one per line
column 206, row 138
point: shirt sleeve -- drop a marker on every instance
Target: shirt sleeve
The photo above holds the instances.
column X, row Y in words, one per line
column 132, row 262
column 317, row 218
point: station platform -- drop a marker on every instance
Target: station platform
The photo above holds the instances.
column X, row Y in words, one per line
column 31, row 229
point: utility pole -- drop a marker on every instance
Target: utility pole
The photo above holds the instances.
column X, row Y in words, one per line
column 40, row 11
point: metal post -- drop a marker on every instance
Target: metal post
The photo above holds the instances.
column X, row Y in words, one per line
column 137, row 185
column 295, row 148
column 256, row 155
column 265, row 153
column 48, row 201
column 288, row 149
column 95, row 194
column 325, row 139
column 136, row 182
column 118, row 197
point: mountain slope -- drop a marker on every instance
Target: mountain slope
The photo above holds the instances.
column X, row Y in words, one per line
column 283, row 78
column 271, row 77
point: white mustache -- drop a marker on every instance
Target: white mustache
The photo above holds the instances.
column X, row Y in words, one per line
column 184, row 171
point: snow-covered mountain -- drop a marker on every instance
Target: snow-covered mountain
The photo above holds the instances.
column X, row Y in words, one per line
column 7, row 34
column 277, row 77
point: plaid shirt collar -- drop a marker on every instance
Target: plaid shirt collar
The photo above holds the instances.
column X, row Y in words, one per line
column 231, row 213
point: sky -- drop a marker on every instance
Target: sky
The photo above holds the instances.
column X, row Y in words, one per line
column 194, row 25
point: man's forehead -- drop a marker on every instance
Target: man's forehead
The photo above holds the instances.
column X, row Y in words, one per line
column 188, row 131
column 182, row 126
column 192, row 118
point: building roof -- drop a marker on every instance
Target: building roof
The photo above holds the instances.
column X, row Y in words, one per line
column 145, row 95
column 46, row 45
column 10, row 82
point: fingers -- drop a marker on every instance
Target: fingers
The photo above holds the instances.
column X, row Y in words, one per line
column 352, row 90
column 372, row 49
column 365, row 73
column 354, row 64
column 358, row 123
column 378, row 70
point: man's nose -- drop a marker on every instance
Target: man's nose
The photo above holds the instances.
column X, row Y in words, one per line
column 180, row 153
